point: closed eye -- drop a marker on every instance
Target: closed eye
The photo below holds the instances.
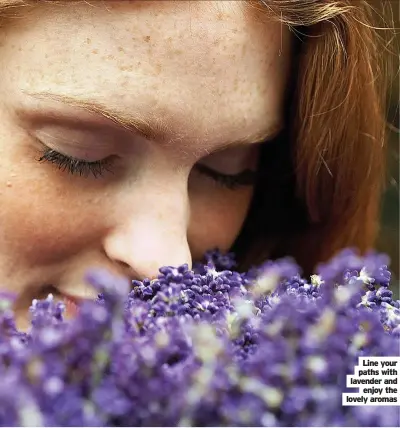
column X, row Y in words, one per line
column 80, row 167
column 75, row 166
column 247, row 177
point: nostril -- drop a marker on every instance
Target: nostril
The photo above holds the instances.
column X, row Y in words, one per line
column 123, row 265
column 126, row 270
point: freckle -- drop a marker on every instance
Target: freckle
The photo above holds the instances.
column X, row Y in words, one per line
column 110, row 57
column 146, row 39
column 88, row 41
column 139, row 63
column 95, row 51
column 121, row 49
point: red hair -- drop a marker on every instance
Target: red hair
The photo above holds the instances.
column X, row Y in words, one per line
column 322, row 191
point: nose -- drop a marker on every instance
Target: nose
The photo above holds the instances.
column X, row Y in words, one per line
column 148, row 239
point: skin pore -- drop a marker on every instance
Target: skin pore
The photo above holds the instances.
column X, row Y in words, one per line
column 204, row 75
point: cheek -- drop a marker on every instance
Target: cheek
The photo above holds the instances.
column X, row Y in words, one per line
column 216, row 220
column 42, row 225
column 42, row 220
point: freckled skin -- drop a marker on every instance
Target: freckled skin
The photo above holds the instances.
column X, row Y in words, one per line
column 213, row 73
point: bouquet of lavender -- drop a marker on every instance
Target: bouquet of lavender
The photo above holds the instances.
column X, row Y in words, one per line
column 204, row 347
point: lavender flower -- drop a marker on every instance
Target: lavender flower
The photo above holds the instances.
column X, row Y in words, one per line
column 204, row 347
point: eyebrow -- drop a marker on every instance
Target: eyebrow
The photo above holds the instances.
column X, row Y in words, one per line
column 155, row 129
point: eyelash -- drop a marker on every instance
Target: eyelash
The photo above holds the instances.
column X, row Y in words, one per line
column 97, row 169
column 245, row 178
column 74, row 165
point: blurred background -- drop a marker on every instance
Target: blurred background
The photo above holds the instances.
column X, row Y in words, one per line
column 389, row 238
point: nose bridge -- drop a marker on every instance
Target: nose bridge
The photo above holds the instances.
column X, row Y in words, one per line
column 150, row 232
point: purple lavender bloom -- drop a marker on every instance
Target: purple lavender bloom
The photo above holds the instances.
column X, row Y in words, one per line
column 204, row 347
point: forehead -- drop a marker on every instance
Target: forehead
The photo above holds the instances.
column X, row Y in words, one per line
column 208, row 69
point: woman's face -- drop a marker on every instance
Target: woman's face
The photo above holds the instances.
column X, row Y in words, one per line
column 149, row 99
